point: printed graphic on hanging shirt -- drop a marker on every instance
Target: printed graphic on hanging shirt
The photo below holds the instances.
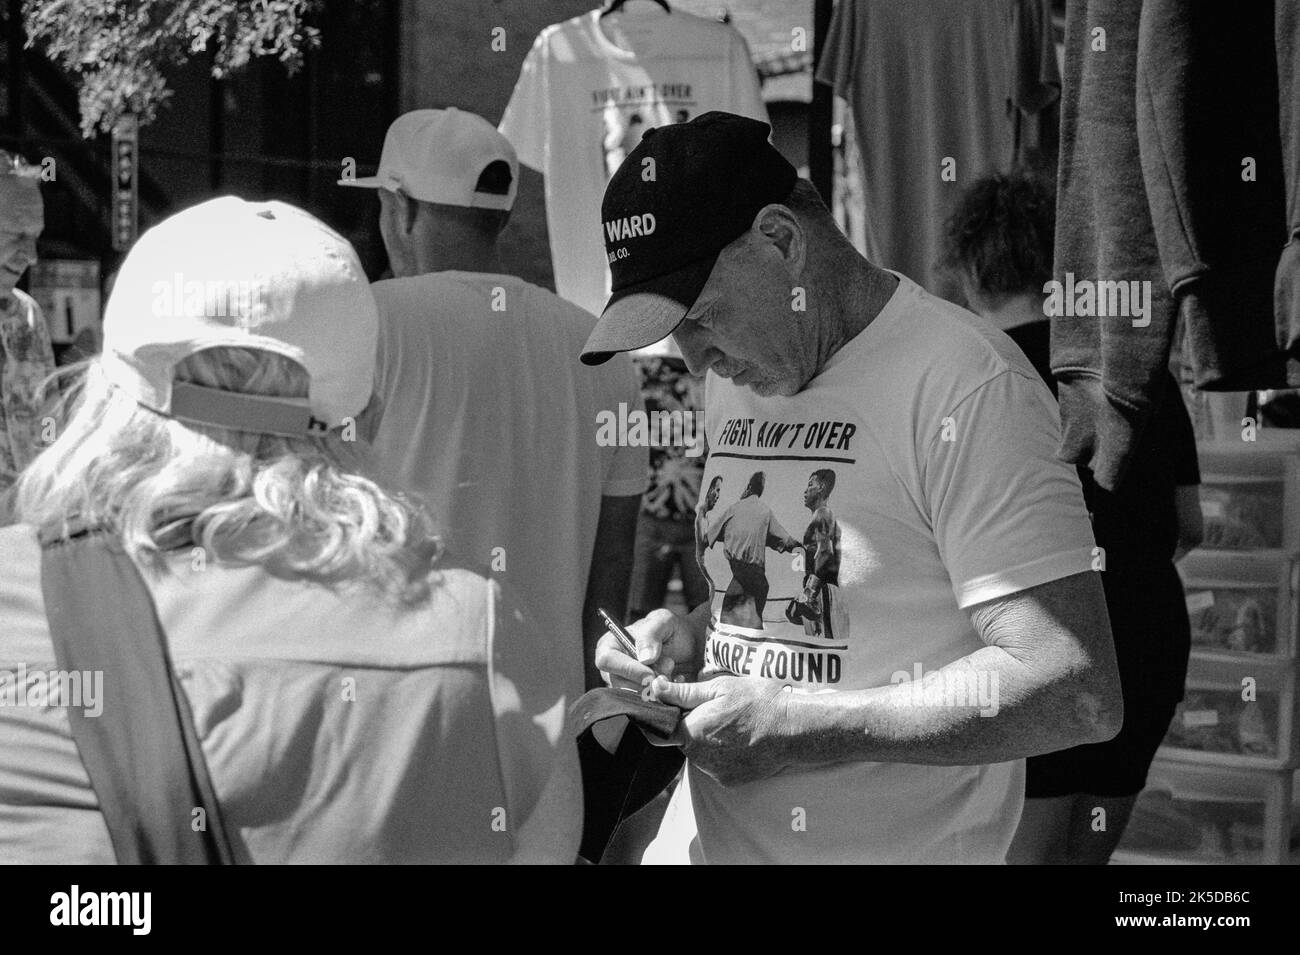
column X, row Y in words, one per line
column 628, row 111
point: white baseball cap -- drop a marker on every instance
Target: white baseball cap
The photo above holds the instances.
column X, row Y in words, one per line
column 437, row 155
column 233, row 273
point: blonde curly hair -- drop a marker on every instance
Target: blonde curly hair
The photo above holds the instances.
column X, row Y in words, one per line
column 303, row 507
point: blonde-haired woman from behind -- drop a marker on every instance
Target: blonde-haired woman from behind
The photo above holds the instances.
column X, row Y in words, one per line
column 358, row 695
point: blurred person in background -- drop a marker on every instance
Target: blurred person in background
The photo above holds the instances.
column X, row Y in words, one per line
column 487, row 413
column 26, row 356
column 999, row 244
column 665, row 534
column 358, row 693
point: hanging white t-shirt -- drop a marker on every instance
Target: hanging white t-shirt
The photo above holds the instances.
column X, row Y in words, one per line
column 581, row 104
column 491, row 418
column 858, row 522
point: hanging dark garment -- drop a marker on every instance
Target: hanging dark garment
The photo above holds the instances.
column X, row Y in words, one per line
column 1208, row 133
column 1169, row 204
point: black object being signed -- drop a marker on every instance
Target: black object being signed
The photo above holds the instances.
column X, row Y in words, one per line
column 615, row 785
column 654, row 718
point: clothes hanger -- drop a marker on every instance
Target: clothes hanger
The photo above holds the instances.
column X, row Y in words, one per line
column 613, row 6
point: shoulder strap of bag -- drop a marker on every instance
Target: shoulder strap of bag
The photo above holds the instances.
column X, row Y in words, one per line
column 141, row 752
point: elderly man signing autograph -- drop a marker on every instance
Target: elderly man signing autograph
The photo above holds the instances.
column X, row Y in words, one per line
column 971, row 629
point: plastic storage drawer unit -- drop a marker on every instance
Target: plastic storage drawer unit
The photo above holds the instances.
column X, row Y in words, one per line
column 1235, row 712
column 1241, row 603
column 1250, row 496
column 1200, row 814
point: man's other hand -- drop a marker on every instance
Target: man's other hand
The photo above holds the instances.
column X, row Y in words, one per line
column 738, row 730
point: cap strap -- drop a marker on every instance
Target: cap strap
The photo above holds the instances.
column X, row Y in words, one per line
column 261, row 414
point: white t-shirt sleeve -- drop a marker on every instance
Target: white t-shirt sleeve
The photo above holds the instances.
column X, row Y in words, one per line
column 528, row 114
column 747, row 92
column 627, row 474
column 1007, row 514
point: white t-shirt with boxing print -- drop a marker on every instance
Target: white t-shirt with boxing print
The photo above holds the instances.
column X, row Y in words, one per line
column 856, row 524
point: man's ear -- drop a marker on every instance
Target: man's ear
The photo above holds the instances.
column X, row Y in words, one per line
column 783, row 230
column 405, row 212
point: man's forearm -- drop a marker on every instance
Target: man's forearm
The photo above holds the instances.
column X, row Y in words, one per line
column 987, row 707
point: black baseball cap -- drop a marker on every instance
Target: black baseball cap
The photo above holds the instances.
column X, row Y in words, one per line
column 665, row 221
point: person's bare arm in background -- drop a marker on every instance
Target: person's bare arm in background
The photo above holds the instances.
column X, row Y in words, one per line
column 610, row 575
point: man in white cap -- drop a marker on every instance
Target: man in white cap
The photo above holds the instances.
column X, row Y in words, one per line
column 487, row 412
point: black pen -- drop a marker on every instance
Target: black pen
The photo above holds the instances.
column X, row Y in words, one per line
column 621, row 635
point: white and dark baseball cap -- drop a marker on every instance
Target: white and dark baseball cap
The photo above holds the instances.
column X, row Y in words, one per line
column 233, row 273
column 440, row 155
column 685, row 193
